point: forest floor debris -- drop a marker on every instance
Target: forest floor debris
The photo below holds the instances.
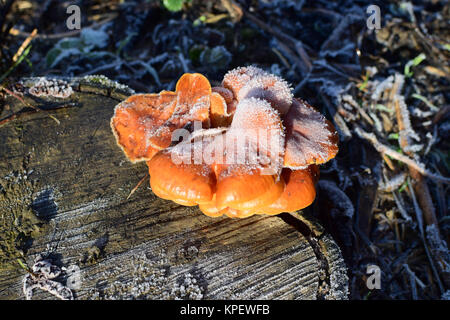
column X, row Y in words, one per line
column 387, row 92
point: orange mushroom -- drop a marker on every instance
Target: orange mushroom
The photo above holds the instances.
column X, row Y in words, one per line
column 143, row 123
column 246, row 186
column 136, row 118
column 257, row 153
column 299, row 191
column 191, row 183
column 220, row 117
column 235, row 79
column 310, row 138
column 270, row 88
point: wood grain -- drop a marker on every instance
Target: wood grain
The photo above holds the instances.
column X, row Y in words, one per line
column 76, row 180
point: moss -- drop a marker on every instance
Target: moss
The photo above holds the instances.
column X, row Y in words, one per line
column 18, row 222
column 106, row 82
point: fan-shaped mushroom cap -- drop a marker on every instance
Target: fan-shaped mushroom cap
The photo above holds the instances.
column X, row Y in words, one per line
column 143, row 123
column 237, row 78
column 244, row 183
column 193, row 94
column 251, row 206
column 194, row 183
column 257, row 127
column 271, row 88
column 299, row 192
column 164, row 195
column 310, row 138
column 136, row 117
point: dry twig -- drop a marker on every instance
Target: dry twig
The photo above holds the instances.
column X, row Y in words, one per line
column 383, row 149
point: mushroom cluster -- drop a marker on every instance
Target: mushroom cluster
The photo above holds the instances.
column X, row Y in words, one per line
column 248, row 147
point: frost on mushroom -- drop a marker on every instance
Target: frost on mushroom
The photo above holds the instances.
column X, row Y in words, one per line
column 270, row 88
column 235, row 79
column 255, row 152
column 310, row 138
column 143, row 124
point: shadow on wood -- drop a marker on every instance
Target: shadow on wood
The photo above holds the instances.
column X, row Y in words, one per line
column 63, row 190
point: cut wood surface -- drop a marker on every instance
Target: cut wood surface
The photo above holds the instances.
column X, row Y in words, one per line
column 64, row 185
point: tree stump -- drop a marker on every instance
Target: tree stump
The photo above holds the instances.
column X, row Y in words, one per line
column 64, row 185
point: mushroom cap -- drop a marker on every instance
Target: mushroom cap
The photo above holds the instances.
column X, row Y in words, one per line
column 259, row 157
column 257, row 132
column 193, row 97
column 235, row 79
column 219, row 111
column 143, row 124
column 243, row 189
column 271, row 195
column 134, row 120
column 310, row 138
column 244, row 183
column 271, row 88
column 210, row 208
column 194, row 183
column 164, row 195
column 298, row 193
column 225, row 93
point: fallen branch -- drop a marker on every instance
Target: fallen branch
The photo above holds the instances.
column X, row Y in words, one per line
column 383, row 149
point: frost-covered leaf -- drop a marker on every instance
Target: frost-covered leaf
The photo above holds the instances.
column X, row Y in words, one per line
column 94, row 38
column 70, row 43
column 217, row 58
column 55, row 55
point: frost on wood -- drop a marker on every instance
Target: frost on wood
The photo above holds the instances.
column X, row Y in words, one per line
column 393, row 184
column 43, row 275
column 148, row 280
column 438, row 248
column 106, row 82
column 51, row 87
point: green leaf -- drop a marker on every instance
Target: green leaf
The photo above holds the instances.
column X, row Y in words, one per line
column 19, row 61
column 393, row 136
column 425, row 100
column 403, row 186
column 173, row 5
column 217, row 58
column 413, row 63
column 194, row 53
column 382, row 107
column 52, row 54
column 70, row 43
